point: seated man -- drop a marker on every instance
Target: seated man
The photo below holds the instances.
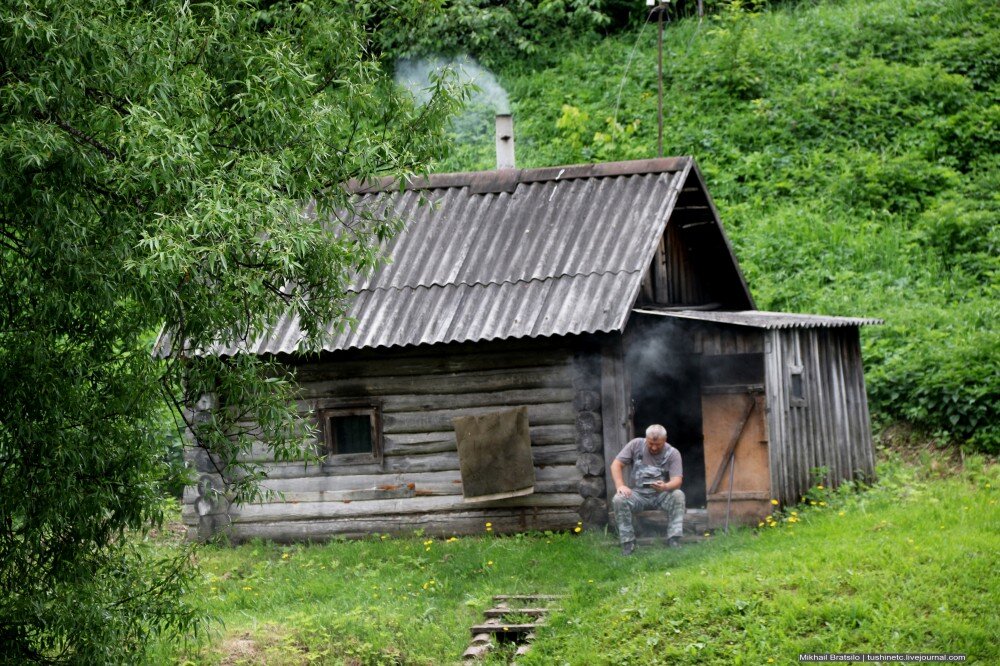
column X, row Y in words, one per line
column 656, row 483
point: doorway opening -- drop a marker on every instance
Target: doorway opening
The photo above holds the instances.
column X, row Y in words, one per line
column 665, row 379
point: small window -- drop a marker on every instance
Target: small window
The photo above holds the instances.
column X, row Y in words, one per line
column 796, row 387
column 350, row 434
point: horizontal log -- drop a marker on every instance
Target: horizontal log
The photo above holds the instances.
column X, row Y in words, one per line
column 470, row 382
column 587, row 401
column 545, row 455
column 568, row 473
column 436, row 401
column 590, row 464
column 398, row 363
column 393, row 491
column 505, row 521
column 554, row 454
column 592, row 486
column 278, row 512
column 593, row 511
column 588, row 423
column 540, row 436
column 417, row 443
column 441, row 420
column 590, row 443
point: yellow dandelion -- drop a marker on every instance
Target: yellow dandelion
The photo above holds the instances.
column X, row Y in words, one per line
column 428, row 542
column 812, row 502
column 795, row 513
column 577, row 529
column 489, row 524
column 506, row 628
column 840, row 513
column 591, row 580
column 284, row 556
column 774, row 502
column 708, row 534
column 760, row 524
column 247, row 588
column 820, row 486
column 822, row 503
column 384, row 537
column 490, row 563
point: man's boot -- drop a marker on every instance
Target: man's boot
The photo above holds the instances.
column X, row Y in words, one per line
column 674, row 542
column 628, row 548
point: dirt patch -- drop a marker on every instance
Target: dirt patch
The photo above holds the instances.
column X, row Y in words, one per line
column 241, row 650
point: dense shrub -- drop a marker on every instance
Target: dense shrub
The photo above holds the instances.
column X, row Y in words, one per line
column 851, row 148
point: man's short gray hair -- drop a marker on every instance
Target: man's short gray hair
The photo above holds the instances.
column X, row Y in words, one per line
column 656, row 431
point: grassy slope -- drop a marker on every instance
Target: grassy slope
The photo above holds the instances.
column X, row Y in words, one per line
column 910, row 566
column 853, row 148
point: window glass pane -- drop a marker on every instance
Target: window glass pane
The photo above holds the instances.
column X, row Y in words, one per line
column 351, row 434
column 797, row 389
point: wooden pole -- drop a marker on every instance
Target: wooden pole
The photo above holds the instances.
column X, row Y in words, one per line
column 659, row 71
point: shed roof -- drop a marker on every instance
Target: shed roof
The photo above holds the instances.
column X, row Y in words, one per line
column 507, row 254
column 762, row 319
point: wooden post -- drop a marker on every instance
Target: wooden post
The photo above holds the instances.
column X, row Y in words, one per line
column 614, row 407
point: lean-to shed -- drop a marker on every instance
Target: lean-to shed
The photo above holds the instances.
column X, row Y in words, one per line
column 566, row 308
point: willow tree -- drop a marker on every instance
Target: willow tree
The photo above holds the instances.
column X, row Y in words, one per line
column 157, row 157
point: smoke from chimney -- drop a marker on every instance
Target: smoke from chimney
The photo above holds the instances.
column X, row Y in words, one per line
column 505, row 141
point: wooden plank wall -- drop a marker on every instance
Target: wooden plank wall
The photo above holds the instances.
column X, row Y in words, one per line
column 418, row 484
column 832, row 427
column 672, row 278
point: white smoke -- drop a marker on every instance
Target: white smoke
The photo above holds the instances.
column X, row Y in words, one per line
column 652, row 356
column 417, row 76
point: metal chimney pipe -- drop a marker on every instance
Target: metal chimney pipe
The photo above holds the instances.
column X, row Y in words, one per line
column 505, row 141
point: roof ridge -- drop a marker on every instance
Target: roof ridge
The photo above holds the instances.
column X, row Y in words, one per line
column 506, row 179
column 480, row 283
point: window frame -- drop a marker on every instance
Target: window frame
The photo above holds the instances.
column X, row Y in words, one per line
column 334, row 408
column 795, row 399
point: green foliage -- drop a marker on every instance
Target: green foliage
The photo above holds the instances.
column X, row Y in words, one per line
column 851, row 149
column 157, row 158
column 496, row 31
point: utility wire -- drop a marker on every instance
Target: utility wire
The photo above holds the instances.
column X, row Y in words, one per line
column 635, row 46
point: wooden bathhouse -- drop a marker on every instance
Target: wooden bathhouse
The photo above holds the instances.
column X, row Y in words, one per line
column 529, row 323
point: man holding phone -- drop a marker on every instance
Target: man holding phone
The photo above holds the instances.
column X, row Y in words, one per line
column 657, row 474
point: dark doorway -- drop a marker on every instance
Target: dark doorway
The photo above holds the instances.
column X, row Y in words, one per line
column 666, row 388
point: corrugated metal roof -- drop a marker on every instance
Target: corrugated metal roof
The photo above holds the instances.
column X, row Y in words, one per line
column 761, row 319
column 504, row 254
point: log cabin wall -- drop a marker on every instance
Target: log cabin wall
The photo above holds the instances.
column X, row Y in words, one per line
column 818, row 409
column 417, row 484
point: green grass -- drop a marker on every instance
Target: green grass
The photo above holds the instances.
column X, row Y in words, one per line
column 910, row 565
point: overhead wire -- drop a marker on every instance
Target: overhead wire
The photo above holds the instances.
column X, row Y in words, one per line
column 631, row 57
